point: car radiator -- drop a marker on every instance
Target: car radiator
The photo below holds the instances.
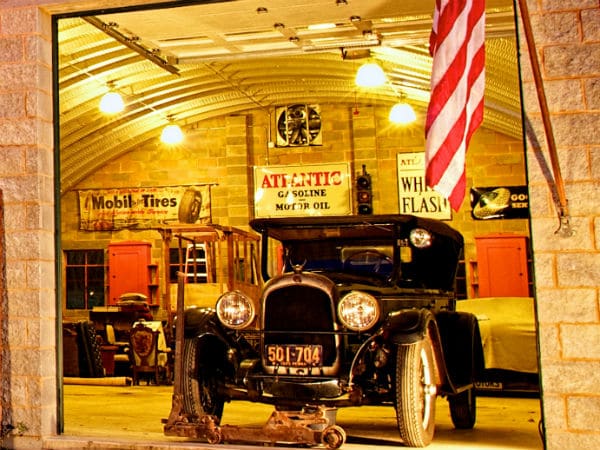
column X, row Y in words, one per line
column 300, row 315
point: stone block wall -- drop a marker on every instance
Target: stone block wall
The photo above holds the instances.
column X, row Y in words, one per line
column 567, row 279
column 28, row 331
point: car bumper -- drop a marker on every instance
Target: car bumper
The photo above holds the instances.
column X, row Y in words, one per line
column 304, row 390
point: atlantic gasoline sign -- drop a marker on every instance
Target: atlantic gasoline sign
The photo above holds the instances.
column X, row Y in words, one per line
column 414, row 196
column 298, row 191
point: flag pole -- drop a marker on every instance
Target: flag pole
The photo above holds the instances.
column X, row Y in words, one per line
column 558, row 179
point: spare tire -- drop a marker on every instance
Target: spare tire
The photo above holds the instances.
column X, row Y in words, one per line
column 190, row 206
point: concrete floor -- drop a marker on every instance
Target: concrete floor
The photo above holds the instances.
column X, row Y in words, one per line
column 129, row 418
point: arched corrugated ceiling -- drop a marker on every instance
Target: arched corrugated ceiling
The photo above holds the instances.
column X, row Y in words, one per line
column 209, row 59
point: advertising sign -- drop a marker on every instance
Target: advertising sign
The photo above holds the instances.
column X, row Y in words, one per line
column 299, row 191
column 414, row 196
column 500, row 202
column 143, row 207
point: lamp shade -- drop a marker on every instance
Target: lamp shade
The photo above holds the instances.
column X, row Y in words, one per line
column 402, row 113
column 171, row 134
column 370, row 75
column 111, row 103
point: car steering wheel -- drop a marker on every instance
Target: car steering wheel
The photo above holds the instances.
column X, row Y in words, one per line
column 372, row 259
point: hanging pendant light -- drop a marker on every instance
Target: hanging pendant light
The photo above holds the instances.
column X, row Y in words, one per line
column 370, row 75
column 402, row 113
column 111, row 103
column 171, row 134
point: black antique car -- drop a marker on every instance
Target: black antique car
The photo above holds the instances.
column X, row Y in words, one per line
column 355, row 310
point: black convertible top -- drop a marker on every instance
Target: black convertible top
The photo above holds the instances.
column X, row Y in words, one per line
column 315, row 227
column 431, row 267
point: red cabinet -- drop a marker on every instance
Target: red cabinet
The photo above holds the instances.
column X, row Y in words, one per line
column 502, row 267
column 130, row 269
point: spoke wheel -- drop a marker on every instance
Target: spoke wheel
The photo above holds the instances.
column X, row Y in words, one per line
column 200, row 385
column 415, row 393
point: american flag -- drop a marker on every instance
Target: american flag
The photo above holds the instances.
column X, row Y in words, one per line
column 457, row 84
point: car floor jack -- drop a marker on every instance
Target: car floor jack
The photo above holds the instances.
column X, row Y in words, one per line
column 313, row 425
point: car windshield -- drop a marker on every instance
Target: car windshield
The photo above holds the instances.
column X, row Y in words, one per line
column 331, row 256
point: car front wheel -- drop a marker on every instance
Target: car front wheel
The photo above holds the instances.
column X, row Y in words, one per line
column 415, row 393
column 200, row 385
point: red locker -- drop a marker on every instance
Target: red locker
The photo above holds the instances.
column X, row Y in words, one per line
column 502, row 267
column 130, row 269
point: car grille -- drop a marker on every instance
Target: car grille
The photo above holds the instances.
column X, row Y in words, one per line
column 300, row 315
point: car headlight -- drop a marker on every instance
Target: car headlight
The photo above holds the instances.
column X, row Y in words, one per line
column 420, row 238
column 235, row 310
column 358, row 311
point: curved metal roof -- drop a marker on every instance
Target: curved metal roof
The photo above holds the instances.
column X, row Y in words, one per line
column 206, row 60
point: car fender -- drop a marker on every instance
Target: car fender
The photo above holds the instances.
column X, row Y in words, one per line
column 461, row 345
column 409, row 326
column 212, row 340
column 201, row 320
column 406, row 326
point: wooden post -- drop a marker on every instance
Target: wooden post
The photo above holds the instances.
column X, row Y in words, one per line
column 177, row 414
column 3, row 302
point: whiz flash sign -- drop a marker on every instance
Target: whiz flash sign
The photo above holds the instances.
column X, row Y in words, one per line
column 298, row 191
column 414, row 196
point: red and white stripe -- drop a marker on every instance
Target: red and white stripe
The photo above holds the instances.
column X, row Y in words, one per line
column 457, row 85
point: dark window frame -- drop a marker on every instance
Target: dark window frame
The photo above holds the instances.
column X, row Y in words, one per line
column 85, row 272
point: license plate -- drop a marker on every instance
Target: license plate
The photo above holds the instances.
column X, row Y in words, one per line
column 295, row 355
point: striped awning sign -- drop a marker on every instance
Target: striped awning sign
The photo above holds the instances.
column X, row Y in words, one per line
column 457, row 86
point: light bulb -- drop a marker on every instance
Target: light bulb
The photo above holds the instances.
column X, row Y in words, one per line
column 111, row 103
column 171, row 134
column 402, row 113
column 370, row 75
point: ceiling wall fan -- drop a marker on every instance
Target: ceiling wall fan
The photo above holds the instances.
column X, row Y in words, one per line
column 298, row 125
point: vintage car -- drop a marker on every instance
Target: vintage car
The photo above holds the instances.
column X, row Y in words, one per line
column 354, row 310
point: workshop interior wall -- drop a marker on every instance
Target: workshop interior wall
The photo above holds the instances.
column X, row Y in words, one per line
column 223, row 151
